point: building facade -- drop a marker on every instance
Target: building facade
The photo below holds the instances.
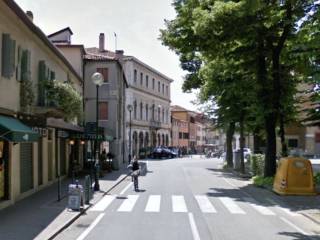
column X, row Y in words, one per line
column 34, row 131
column 112, row 99
column 180, row 133
column 149, row 96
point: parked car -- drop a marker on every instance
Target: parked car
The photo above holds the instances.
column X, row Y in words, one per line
column 163, row 152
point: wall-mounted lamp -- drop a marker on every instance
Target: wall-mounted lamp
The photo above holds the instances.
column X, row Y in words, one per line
column 82, row 142
column 71, row 142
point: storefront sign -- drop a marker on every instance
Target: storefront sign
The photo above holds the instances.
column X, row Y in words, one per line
column 43, row 132
column 63, row 134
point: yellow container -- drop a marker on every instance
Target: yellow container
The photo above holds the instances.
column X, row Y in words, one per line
column 294, row 177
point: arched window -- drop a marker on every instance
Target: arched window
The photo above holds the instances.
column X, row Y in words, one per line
column 163, row 115
column 159, row 119
column 135, row 76
column 147, row 112
column 141, row 111
column 153, row 109
column 135, row 109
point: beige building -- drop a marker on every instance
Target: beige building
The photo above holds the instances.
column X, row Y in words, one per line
column 34, row 133
column 149, row 95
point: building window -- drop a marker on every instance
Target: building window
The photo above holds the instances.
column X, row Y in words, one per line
column 162, row 88
column 159, row 114
column 135, row 76
column 141, row 111
column 103, row 110
column 167, row 90
column 141, row 79
column 180, row 135
column 158, row 86
column 135, row 109
column 292, row 143
column 8, row 65
column 163, row 115
column 185, row 135
column 147, row 112
column 147, row 81
column 153, row 82
column 105, row 73
column 153, row 109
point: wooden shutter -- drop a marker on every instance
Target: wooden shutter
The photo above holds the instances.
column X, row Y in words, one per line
column 5, row 55
column 41, row 83
column 105, row 73
column 12, row 57
column 103, row 110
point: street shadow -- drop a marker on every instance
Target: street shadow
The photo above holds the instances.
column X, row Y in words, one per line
column 264, row 196
column 141, row 190
column 299, row 236
column 121, row 197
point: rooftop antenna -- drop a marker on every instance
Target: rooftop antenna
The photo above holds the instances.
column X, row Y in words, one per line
column 115, row 41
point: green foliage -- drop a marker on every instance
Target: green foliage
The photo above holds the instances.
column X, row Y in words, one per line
column 257, row 164
column 260, row 181
column 66, row 98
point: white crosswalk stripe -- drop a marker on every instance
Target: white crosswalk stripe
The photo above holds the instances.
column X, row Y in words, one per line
column 128, row 203
column 178, row 204
column 284, row 209
column 205, row 204
column 231, row 205
column 262, row 209
column 153, row 204
column 103, row 203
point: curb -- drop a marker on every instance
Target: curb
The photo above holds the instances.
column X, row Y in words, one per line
column 72, row 220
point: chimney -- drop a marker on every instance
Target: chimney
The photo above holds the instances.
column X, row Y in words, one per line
column 101, row 42
column 119, row 53
column 30, row 15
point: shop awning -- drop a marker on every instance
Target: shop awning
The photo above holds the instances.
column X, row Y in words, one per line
column 11, row 129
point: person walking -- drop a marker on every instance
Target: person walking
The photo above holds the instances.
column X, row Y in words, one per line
column 135, row 172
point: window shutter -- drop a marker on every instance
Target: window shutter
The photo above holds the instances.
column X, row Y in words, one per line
column 103, row 110
column 41, row 83
column 105, row 73
column 12, row 57
column 53, row 76
column 28, row 77
column 5, row 55
column 25, row 66
column 18, row 69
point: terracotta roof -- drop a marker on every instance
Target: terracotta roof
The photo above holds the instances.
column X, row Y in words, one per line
column 176, row 108
column 93, row 53
column 60, row 31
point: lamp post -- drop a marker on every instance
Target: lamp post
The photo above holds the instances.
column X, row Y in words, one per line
column 97, row 80
column 129, row 107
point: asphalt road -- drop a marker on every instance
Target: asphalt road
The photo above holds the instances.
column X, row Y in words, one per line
column 189, row 199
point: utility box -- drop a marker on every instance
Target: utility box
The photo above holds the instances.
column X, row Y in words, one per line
column 75, row 196
column 294, row 176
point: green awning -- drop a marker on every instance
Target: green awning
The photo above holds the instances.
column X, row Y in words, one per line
column 11, row 129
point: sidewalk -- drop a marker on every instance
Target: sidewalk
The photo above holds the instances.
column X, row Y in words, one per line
column 41, row 216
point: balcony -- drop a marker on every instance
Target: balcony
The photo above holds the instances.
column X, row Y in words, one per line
column 155, row 124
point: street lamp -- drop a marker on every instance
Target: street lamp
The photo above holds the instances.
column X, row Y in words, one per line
column 130, row 108
column 97, row 80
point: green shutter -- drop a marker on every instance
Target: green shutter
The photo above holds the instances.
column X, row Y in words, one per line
column 28, row 65
column 53, row 75
column 41, row 83
column 24, row 65
column 18, row 69
column 12, row 57
column 5, row 66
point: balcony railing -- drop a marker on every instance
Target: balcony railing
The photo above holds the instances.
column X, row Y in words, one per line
column 155, row 124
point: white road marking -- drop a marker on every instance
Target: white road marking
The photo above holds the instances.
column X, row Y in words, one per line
column 126, row 188
column 92, row 225
column 178, row 204
column 128, row 203
column 262, row 209
column 294, row 226
column 103, row 203
column 194, row 229
column 231, row 205
column 286, row 210
column 153, row 204
column 205, row 204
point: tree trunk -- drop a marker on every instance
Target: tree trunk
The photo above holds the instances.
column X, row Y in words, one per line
column 230, row 132
column 242, row 169
column 270, row 155
column 284, row 148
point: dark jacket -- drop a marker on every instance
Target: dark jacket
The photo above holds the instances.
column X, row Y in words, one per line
column 135, row 166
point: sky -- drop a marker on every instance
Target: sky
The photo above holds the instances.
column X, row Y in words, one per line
column 135, row 22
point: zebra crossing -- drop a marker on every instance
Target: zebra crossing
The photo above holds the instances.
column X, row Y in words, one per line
column 207, row 205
